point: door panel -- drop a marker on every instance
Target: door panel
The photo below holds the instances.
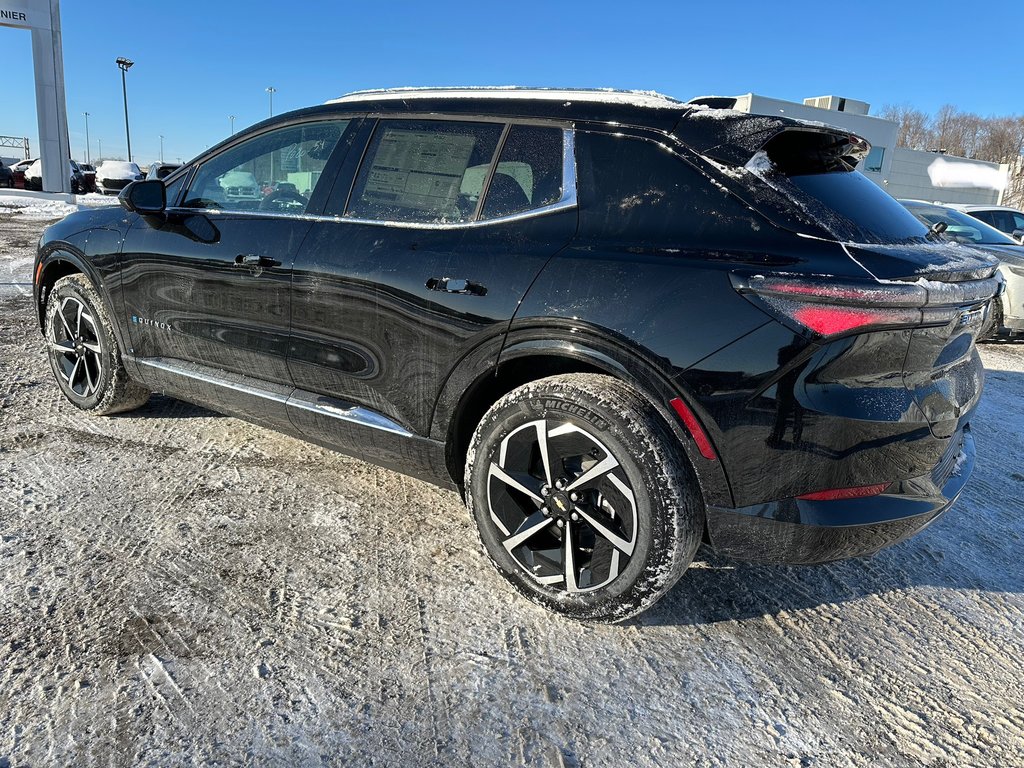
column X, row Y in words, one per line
column 187, row 297
column 209, row 282
column 367, row 329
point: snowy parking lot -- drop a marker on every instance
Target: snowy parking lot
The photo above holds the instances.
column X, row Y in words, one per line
column 180, row 587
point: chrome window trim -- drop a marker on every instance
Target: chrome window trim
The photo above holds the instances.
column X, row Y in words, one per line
column 569, row 199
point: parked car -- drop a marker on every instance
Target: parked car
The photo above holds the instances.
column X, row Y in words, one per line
column 88, row 176
column 18, row 170
column 162, row 170
column 238, row 186
column 34, row 177
column 6, row 176
column 1008, row 309
column 619, row 324
column 114, row 175
column 1010, row 221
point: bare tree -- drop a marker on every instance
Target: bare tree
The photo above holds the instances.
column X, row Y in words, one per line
column 912, row 131
column 965, row 134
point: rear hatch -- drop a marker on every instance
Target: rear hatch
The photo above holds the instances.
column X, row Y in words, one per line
column 802, row 178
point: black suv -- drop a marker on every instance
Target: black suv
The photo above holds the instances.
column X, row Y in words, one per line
column 618, row 323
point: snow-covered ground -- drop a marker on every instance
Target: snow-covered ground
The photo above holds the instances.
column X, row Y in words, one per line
column 180, row 587
column 42, row 206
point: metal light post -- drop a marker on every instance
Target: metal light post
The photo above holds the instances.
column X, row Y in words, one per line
column 161, row 147
column 124, row 65
column 100, row 142
column 271, row 90
column 87, row 160
column 232, row 119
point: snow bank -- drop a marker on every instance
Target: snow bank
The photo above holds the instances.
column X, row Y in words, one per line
column 42, row 206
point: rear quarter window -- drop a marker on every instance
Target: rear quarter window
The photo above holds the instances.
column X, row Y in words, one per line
column 637, row 192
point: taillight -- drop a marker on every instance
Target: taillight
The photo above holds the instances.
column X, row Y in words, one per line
column 829, row 307
column 835, row 494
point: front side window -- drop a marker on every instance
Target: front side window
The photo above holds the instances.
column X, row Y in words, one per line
column 424, row 171
column 274, row 172
column 528, row 174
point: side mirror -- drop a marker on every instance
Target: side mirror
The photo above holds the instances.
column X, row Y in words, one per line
column 1018, row 235
column 147, row 196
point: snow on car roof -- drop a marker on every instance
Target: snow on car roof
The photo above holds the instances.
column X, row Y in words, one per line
column 591, row 95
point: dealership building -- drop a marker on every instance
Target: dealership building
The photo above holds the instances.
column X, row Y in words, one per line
column 903, row 173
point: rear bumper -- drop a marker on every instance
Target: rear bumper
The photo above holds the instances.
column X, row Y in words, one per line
column 799, row 532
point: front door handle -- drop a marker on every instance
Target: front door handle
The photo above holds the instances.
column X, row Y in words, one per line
column 456, row 285
column 253, row 260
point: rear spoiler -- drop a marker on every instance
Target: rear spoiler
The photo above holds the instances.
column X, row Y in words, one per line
column 712, row 128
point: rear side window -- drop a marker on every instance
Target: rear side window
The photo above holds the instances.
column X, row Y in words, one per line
column 528, row 174
column 424, row 171
column 636, row 192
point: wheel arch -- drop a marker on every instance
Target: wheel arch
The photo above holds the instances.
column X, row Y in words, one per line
column 57, row 262
column 531, row 356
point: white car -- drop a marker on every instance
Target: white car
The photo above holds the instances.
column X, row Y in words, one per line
column 1008, row 309
column 1003, row 218
column 240, row 185
column 114, row 175
column 34, row 176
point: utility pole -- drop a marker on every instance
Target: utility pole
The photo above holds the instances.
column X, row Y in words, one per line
column 100, row 142
column 271, row 90
column 87, row 160
column 232, row 119
column 161, row 147
column 124, row 65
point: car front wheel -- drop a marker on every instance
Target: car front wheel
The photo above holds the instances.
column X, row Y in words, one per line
column 83, row 350
column 583, row 498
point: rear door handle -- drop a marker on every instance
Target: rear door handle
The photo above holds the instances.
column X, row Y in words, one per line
column 253, row 260
column 456, row 285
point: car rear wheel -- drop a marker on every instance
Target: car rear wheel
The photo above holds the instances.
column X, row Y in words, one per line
column 583, row 498
column 83, row 350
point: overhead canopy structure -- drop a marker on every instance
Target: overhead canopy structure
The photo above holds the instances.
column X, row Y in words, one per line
column 42, row 18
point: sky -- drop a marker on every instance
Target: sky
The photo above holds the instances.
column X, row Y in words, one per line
column 196, row 63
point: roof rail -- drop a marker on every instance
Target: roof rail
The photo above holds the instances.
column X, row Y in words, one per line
column 598, row 95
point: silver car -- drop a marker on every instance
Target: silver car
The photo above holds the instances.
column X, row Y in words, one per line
column 1008, row 309
column 1005, row 219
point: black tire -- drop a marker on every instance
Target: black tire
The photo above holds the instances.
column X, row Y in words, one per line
column 996, row 332
column 635, row 515
column 84, row 354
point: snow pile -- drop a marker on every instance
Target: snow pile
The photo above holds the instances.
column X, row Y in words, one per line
column 33, row 208
column 945, row 173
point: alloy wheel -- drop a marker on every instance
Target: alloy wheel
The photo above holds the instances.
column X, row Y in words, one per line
column 563, row 506
column 75, row 347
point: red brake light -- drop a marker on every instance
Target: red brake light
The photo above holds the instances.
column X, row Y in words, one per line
column 830, row 320
column 835, row 494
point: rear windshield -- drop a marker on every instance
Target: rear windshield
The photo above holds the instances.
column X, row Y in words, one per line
column 872, row 212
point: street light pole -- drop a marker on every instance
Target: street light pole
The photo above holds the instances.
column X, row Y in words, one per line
column 161, row 147
column 271, row 90
column 87, row 160
column 124, row 65
column 100, row 142
column 232, row 119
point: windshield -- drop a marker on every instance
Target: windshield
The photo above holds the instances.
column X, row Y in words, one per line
column 959, row 226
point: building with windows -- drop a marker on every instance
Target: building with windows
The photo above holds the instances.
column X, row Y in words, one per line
column 903, row 173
